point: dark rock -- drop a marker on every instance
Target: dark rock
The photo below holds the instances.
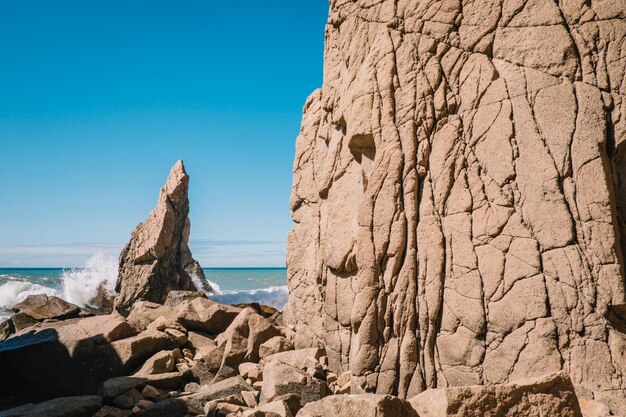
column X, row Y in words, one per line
column 74, row 356
column 128, row 399
column 168, row 408
column 84, row 406
column 6, row 329
column 108, row 411
column 23, row 321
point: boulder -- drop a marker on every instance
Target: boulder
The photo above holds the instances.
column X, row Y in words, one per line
column 7, row 328
column 143, row 313
column 151, row 393
column 276, row 344
column 293, row 402
column 206, row 315
column 128, row 399
column 79, row 406
column 199, row 340
column 363, row 405
column 167, row 408
column 174, row 330
column 275, row 409
column 222, row 408
column 22, row 321
column 281, row 379
column 243, row 338
column 228, row 387
column 115, row 387
column 108, row 411
column 251, row 370
column 130, row 350
column 42, row 307
column 251, row 398
column 73, row 356
column 299, row 358
column 160, row 363
column 550, row 395
column 157, row 259
column 176, row 298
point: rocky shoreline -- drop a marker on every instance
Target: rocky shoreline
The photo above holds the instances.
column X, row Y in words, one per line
column 158, row 347
column 193, row 357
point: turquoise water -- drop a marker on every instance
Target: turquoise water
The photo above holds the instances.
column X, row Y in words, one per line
column 232, row 285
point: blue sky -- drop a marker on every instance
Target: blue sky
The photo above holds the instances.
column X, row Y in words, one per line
column 98, row 100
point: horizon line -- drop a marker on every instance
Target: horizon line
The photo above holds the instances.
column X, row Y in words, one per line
column 203, row 267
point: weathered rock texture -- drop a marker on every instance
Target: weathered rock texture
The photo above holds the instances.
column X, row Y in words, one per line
column 157, row 259
column 459, row 195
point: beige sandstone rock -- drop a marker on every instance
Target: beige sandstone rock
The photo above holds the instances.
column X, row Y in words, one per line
column 231, row 386
column 242, row 339
column 276, row 344
column 364, row 405
column 551, row 395
column 41, row 307
column 281, row 379
column 157, row 259
column 160, row 363
column 591, row 408
column 275, row 409
column 459, row 195
column 206, row 315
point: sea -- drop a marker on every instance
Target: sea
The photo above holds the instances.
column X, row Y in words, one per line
column 80, row 285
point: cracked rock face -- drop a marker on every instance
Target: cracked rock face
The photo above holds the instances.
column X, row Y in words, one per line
column 459, row 195
column 157, row 259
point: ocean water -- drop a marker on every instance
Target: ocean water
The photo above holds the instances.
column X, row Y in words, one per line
column 79, row 285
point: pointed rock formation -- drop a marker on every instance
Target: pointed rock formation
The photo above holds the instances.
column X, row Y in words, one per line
column 459, row 195
column 157, row 259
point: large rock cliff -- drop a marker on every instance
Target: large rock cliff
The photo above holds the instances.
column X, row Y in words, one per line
column 157, row 259
column 459, row 195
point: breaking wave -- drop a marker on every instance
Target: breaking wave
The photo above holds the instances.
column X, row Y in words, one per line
column 14, row 292
column 273, row 296
column 78, row 286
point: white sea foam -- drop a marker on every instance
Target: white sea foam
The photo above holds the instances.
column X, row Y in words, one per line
column 216, row 288
column 14, row 292
column 80, row 286
column 273, row 296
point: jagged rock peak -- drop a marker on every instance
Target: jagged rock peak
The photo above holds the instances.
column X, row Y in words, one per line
column 157, row 259
column 459, row 196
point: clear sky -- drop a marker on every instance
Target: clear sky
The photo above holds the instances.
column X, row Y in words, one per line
column 98, row 99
